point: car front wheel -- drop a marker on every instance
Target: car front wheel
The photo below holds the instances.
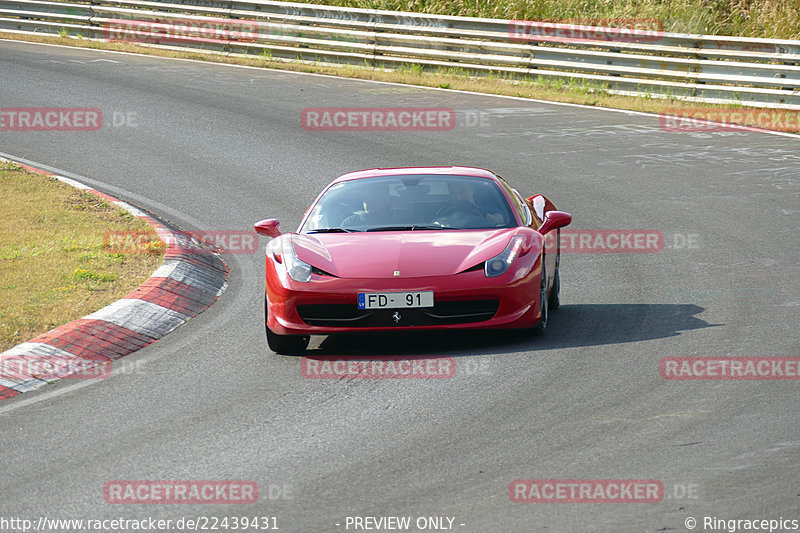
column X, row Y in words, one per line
column 555, row 301
column 540, row 328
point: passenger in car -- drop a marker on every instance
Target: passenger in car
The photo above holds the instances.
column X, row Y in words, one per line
column 377, row 208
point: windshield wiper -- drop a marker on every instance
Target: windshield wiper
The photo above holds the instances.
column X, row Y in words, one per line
column 333, row 230
column 408, row 228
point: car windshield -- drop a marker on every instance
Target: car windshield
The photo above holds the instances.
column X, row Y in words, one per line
column 410, row 202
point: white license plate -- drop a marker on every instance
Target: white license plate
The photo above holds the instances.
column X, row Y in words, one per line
column 394, row 300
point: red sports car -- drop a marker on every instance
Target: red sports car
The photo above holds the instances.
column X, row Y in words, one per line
column 411, row 249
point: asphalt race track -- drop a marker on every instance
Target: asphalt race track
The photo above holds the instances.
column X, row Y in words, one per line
column 212, row 147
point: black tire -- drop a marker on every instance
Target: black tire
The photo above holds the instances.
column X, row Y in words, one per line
column 284, row 344
column 555, row 302
column 540, row 328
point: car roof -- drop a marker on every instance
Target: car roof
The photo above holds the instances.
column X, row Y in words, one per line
column 405, row 171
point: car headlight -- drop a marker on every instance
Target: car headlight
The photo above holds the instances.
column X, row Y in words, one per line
column 500, row 263
column 283, row 252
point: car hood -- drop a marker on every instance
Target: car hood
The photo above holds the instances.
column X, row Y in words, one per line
column 413, row 253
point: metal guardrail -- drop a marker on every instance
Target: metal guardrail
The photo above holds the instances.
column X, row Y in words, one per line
column 701, row 67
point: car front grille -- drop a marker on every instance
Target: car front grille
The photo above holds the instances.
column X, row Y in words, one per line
column 442, row 313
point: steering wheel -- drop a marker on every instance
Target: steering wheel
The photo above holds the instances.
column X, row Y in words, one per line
column 465, row 207
column 461, row 214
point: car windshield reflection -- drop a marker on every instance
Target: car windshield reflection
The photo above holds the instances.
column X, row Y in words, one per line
column 410, row 203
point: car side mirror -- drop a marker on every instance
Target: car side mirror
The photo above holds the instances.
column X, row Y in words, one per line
column 540, row 204
column 269, row 227
column 554, row 220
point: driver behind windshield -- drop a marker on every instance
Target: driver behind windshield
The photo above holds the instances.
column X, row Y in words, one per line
column 462, row 202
